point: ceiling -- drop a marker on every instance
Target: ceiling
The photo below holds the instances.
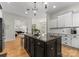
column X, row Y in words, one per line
column 59, row 6
column 19, row 8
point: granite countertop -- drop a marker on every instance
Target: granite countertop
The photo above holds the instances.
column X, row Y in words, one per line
column 50, row 38
column 30, row 35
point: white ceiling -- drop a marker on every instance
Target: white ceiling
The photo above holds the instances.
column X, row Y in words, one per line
column 59, row 6
column 19, row 8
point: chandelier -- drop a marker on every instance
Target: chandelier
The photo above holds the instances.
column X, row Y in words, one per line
column 34, row 8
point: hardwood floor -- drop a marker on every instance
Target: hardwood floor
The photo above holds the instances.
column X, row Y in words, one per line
column 15, row 49
column 69, row 51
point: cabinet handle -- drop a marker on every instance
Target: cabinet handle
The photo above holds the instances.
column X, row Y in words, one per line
column 51, row 48
column 38, row 43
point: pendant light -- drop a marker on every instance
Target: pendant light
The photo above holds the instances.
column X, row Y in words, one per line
column 45, row 5
column 34, row 9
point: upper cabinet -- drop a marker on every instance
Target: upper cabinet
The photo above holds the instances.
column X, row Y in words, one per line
column 61, row 21
column 53, row 23
column 68, row 19
column 76, row 19
column 65, row 20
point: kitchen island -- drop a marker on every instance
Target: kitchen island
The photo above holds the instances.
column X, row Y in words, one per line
column 39, row 48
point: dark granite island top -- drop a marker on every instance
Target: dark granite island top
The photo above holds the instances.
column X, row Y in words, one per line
column 41, row 48
column 49, row 39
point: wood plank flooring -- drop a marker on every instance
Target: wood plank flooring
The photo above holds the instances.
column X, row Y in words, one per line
column 69, row 51
column 14, row 49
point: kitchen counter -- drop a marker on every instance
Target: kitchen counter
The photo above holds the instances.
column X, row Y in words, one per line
column 40, row 48
column 49, row 39
column 53, row 37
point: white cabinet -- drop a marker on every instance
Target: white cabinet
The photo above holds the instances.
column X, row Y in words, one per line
column 77, row 30
column 53, row 23
column 61, row 21
column 75, row 42
column 65, row 20
column 67, row 31
column 72, row 41
column 68, row 19
column 54, row 31
column 76, row 19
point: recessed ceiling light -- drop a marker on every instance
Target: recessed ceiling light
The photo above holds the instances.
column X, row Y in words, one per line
column 54, row 6
column 34, row 11
column 45, row 3
column 26, row 12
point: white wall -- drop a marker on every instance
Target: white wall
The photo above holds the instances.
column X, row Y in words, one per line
column 9, row 27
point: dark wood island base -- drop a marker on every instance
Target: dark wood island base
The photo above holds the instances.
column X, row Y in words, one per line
column 39, row 48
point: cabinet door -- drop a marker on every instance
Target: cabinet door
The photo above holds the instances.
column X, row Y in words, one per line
column 0, row 45
column 39, row 48
column 53, row 23
column 32, row 47
column 76, row 19
column 39, row 51
column 66, row 31
column 68, row 19
column 65, row 20
column 61, row 22
column 75, row 42
column 52, row 48
column 27, row 43
column 51, row 51
column 77, row 30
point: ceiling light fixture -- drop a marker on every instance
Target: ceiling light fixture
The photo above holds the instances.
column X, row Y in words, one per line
column 34, row 11
column 45, row 3
column 54, row 6
column 26, row 12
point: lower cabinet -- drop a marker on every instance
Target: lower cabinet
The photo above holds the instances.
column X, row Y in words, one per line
column 0, row 45
column 38, row 48
column 26, row 43
column 31, row 45
column 51, row 51
column 54, row 48
column 75, row 42
column 39, row 51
